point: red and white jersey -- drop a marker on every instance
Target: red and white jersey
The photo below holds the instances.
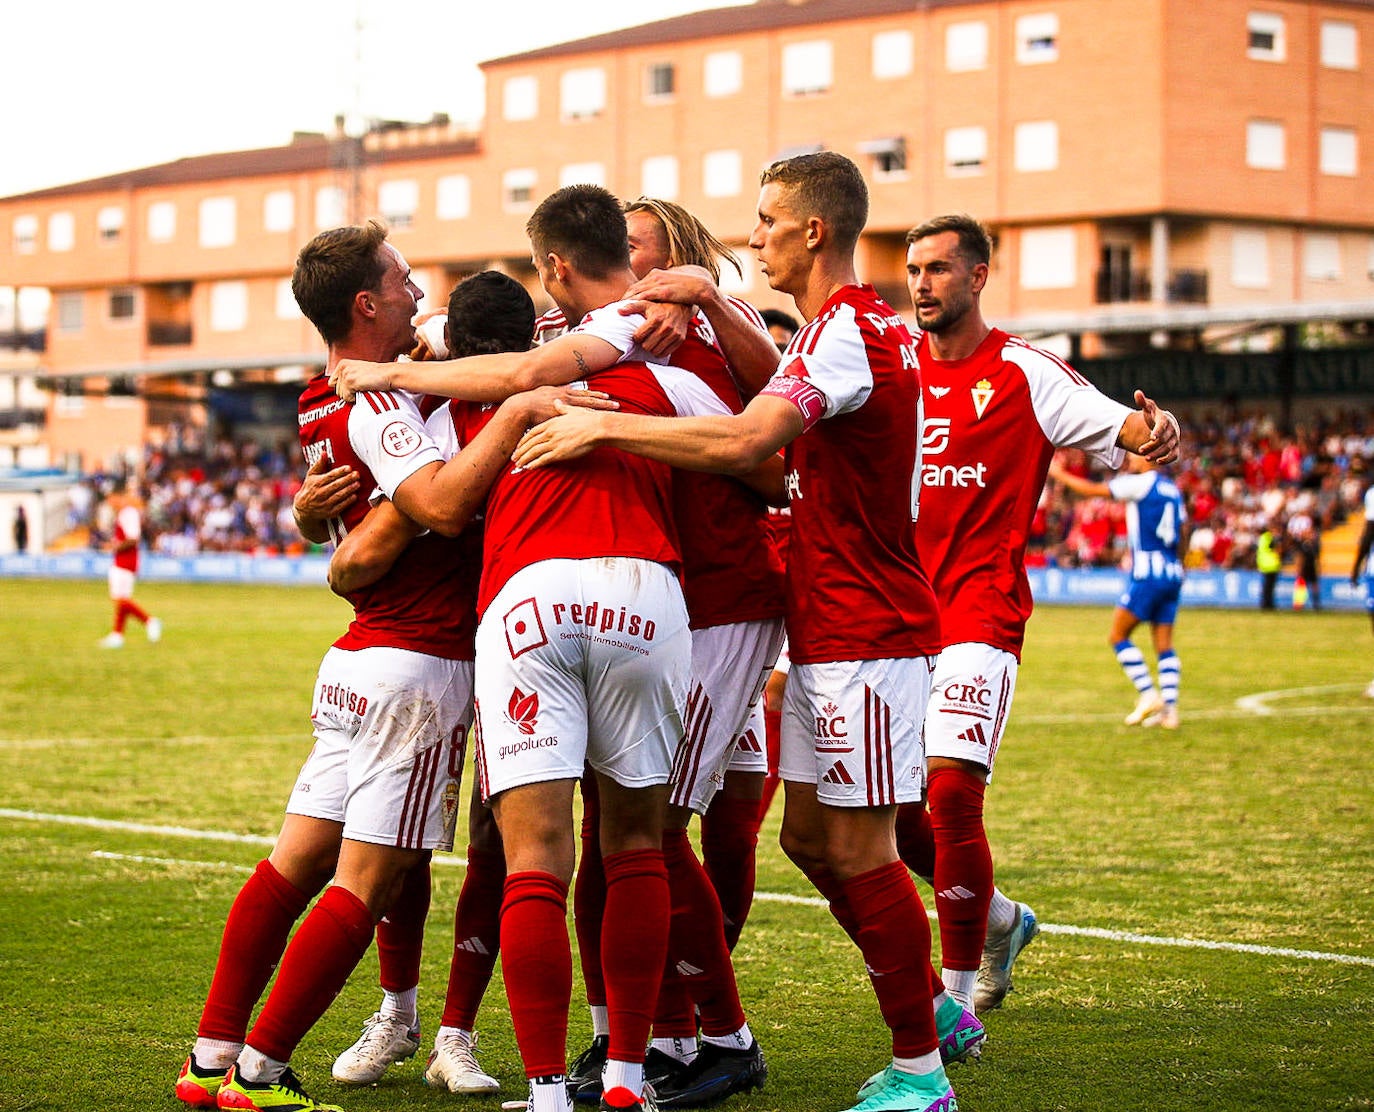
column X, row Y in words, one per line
column 607, row 503
column 992, row 423
column 549, row 326
column 731, row 570
column 426, row 602
column 855, row 588
column 128, row 526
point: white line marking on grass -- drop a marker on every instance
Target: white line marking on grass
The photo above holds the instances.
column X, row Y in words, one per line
column 1260, row 702
column 140, row 859
column 764, row 897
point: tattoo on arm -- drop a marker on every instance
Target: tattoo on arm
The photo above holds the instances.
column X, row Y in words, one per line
column 581, row 362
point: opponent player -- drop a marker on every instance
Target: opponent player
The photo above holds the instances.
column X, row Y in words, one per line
column 124, row 545
column 995, row 409
column 1364, row 559
column 861, row 618
column 391, row 708
column 1156, row 524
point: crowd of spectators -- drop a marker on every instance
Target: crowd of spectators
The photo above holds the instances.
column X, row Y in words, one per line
column 1239, row 475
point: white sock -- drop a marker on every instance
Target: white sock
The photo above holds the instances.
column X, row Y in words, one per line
column 924, row 1063
column 959, row 983
column 401, row 1005
column 623, row 1075
column 1001, row 913
column 549, row 1094
column 257, row 1067
column 682, row 1049
column 446, row 1032
column 736, row 1040
column 601, row 1020
column 215, row 1054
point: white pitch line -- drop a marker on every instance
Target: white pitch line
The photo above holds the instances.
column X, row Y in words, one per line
column 764, row 897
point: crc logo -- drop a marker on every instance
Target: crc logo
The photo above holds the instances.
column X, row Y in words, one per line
column 934, row 436
column 830, row 723
column 962, row 693
column 399, row 439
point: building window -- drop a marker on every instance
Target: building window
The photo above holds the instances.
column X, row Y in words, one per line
column 287, row 309
column 658, row 177
column 517, row 188
column 1340, row 45
column 228, row 306
column 122, row 304
column 61, row 231
column 398, row 202
column 109, row 223
column 1049, row 259
column 1338, row 151
column 583, row 93
column 520, row 98
column 582, row 173
column 1264, row 145
column 162, row 221
column 966, row 46
column 1321, row 257
column 453, row 197
column 807, row 68
column 71, row 312
column 723, row 73
column 279, row 211
column 660, row 81
column 889, row 157
column 1036, row 146
column 966, row 151
column 25, row 235
column 217, row 222
column 892, row 54
column 1037, row 38
column 1249, row 259
column 330, row 209
column 721, row 174
column 1265, row 37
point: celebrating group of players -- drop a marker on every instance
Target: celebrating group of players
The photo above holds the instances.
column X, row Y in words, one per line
column 575, row 556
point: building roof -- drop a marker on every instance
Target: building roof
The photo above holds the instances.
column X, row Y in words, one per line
column 762, row 15
column 308, row 151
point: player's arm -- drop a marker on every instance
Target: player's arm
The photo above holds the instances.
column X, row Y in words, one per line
column 1150, row 432
column 370, row 549
column 750, row 351
column 1089, row 488
column 731, row 445
column 482, row 378
column 325, row 493
column 1362, row 553
column 445, row 497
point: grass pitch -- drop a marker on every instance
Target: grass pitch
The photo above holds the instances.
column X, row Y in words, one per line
column 1207, row 895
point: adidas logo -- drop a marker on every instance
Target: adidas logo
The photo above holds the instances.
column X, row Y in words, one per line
column 687, row 969
column 958, row 892
column 838, row 774
column 748, row 742
column 974, row 735
column 473, row 945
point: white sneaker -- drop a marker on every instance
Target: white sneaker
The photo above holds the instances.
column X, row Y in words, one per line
column 999, row 954
column 112, row 640
column 384, row 1040
column 1166, row 719
column 1150, row 702
column 1369, row 691
column 453, row 1065
column 154, row 630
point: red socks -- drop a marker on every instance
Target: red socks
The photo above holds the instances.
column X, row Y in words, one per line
column 125, row 609
column 634, row 946
column 476, row 937
column 255, row 935
column 697, row 940
column 326, row 949
column 963, row 865
column 589, row 897
column 916, row 840
column 537, row 959
column 729, row 839
column 894, row 937
column 401, row 933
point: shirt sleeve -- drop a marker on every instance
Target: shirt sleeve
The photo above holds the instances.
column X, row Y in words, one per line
column 1071, row 411
column 389, row 435
column 830, row 354
column 1131, row 487
column 690, row 396
column 617, row 329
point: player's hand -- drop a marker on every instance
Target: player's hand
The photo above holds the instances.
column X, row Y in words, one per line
column 1165, row 436
column 429, row 337
column 683, row 285
column 665, row 325
column 326, row 492
column 572, row 433
column 356, row 376
column 542, row 403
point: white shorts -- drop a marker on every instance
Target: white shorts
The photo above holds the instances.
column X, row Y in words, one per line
column 970, row 699
column 390, row 734
column 729, row 666
column 853, row 728
column 750, row 751
column 121, row 583
column 582, row 661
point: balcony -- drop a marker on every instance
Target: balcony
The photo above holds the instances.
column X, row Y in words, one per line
column 1122, row 285
column 1187, row 287
column 24, row 339
column 168, row 334
column 11, row 419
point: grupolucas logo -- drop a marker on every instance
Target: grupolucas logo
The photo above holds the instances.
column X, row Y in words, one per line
column 523, row 710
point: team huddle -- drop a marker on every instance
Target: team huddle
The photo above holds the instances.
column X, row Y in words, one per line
column 572, row 554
